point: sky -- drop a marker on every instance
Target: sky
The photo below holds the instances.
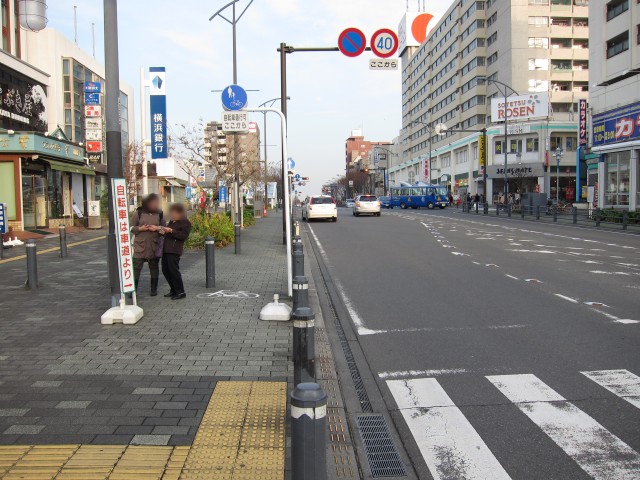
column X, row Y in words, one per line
column 330, row 94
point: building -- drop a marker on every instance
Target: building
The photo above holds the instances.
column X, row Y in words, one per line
column 358, row 150
column 614, row 163
column 539, row 48
column 51, row 160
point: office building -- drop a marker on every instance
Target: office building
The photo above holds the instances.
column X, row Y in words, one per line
column 614, row 101
column 538, row 48
column 358, row 151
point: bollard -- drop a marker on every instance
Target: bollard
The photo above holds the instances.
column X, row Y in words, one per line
column 574, row 215
column 296, row 228
column 537, row 212
column 477, row 206
column 32, row 265
column 308, row 432
column 508, row 210
column 236, row 231
column 497, row 210
column 522, row 207
column 555, row 213
column 486, row 208
column 300, row 293
column 597, row 217
column 63, row 240
column 297, row 244
column 210, row 260
column 625, row 219
column 298, row 264
column 304, row 350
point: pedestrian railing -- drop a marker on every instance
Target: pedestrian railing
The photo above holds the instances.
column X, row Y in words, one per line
column 593, row 217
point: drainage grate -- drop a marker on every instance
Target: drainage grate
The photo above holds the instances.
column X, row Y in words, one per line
column 382, row 454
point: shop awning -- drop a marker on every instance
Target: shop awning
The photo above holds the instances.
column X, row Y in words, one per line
column 69, row 167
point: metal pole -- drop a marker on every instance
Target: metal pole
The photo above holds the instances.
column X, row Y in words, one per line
column 114, row 134
column 266, row 172
column 32, row 265
column 236, row 161
column 210, row 260
column 557, row 177
column 429, row 132
column 143, row 132
column 506, row 141
column 308, row 432
column 62, row 230
column 283, row 109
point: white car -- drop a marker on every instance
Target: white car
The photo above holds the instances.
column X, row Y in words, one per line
column 349, row 203
column 320, row 206
column 366, row 204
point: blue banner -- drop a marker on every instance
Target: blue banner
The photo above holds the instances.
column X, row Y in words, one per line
column 92, row 99
column 92, row 87
column 158, row 104
column 222, row 194
column 618, row 125
column 3, row 218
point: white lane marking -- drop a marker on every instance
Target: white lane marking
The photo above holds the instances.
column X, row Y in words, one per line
column 564, row 297
column 532, row 280
column 602, row 272
column 421, row 373
column 491, row 265
column 533, row 251
column 355, row 317
column 629, row 264
column 622, row 383
column 591, row 262
column 598, row 452
column 442, row 329
column 596, row 304
column 449, row 444
column 624, row 321
column 511, row 276
column 460, row 254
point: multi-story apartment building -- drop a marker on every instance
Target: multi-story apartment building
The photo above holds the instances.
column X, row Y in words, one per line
column 614, row 55
column 358, row 150
column 535, row 47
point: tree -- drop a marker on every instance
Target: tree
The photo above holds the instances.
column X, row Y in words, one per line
column 188, row 146
column 133, row 167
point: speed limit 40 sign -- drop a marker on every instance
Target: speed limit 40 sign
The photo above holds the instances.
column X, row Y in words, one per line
column 384, row 43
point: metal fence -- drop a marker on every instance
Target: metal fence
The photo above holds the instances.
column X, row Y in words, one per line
column 595, row 217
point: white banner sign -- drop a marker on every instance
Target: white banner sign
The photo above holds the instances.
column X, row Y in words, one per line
column 92, row 111
column 522, row 107
column 123, row 234
column 93, row 135
column 235, row 122
column 93, row 123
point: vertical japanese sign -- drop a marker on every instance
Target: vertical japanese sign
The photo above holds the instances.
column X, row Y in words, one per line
column 158, row 104
column 582, row 123
column 482, row 151
column 123, row 235
column 3, row 218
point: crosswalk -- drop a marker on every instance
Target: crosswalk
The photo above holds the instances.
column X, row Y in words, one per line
column 453, row 449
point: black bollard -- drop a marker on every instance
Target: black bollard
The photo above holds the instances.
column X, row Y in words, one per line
column 508, row 210
column 300, row 293
column 555, row 213
column 477, row 207
column 297, row 244
column 497, row 210
column 537, row 212
column 32, row 265
column 298, row 264
column 308, row 432
column 625, row 219
column 574, row 214
column 210, row 260
column 597, row 217
column 304, row 350
column 236, row 230
column 63, row 240
column 522, row 207
column 486, row 208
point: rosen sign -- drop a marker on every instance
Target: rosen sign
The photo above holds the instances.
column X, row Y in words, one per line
column 522, row 107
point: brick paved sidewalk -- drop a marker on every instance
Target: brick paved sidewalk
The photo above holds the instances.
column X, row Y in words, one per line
column 66, row 379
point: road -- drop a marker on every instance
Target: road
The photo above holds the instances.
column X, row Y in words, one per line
column 502, row 348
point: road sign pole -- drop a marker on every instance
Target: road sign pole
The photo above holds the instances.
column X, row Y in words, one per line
column 283, row 109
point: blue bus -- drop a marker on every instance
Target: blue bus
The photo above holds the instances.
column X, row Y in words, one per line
column 416, row 196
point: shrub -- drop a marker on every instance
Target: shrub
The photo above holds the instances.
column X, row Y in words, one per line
column 217, row 225
column 248, row 217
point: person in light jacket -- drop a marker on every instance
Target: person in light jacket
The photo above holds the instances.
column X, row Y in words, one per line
column 146, row 223
column 175, row 234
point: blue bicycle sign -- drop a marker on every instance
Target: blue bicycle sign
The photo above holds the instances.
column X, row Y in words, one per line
column 234, row 97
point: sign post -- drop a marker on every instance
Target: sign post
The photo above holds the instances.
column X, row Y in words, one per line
column 127, row 314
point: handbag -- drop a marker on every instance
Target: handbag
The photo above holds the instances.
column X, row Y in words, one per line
column 160, row 247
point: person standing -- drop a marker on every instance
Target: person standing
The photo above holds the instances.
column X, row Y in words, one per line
column 175, row 234
column 146, row 224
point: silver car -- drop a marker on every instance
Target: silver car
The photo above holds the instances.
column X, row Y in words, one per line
column 366, row 204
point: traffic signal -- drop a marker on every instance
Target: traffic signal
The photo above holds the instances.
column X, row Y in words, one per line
column 364, row 170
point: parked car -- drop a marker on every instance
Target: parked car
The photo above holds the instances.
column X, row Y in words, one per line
column 349, row 203
column 385, row 202
column 366, row 204
column 320, row 206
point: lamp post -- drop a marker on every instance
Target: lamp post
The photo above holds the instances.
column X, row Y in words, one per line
column 506, row 131
column 384, row 170
column 558, row 154
column 430, row 129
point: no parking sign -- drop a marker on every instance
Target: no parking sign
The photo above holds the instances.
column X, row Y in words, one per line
column 384, row 43
column 352, row 42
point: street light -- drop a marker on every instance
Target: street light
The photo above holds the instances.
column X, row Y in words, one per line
column 384, row 170
column 506, row 132
column 558, row 154
column 431, row 130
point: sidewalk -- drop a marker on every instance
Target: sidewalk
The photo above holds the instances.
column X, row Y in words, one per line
column 66, row 380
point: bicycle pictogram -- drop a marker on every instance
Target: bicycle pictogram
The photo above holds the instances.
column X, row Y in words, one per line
column 228, row 294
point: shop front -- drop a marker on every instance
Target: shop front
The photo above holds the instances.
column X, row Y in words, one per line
column 521, row 178
column 44, row 181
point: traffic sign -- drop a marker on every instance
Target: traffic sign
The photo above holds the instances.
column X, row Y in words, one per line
column 383, row 64
column 291, row 164
column 234, row 97
column 352, row 42
column 235, row 122
column 384, row 43
column 297, row 176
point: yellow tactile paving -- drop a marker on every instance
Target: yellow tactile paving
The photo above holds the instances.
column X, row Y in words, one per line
column 241, row 437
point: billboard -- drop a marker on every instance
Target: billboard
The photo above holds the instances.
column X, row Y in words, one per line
column 413, row 30
column 23, row 102
column 617, row 125
column 582, row 123
column 520, row 107
column 158, row 103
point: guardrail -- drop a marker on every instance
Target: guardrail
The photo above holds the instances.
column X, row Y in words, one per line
column 595, row 217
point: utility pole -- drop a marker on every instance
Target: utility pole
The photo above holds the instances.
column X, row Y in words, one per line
column 143, row 131
column 114, row 134
column 283, row 109
column 236, row 161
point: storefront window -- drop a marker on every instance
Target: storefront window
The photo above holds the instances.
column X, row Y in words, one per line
column 532, row 144
column 618, row 171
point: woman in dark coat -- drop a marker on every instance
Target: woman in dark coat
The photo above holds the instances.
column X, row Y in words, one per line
column 175, row 234
column 145, row 225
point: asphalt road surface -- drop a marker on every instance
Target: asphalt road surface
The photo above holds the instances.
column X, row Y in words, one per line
column 503, row 348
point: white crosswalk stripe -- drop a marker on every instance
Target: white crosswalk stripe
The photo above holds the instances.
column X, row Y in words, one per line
column 449, row 444
column 598, row 452
column 622, row 383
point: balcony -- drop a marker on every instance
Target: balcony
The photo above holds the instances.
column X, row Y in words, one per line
column 562, row 31
column 561, row 96
column 561, row 53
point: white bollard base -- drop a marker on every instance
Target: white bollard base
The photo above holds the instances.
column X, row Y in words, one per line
column 125, row 314
column 276, row 311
